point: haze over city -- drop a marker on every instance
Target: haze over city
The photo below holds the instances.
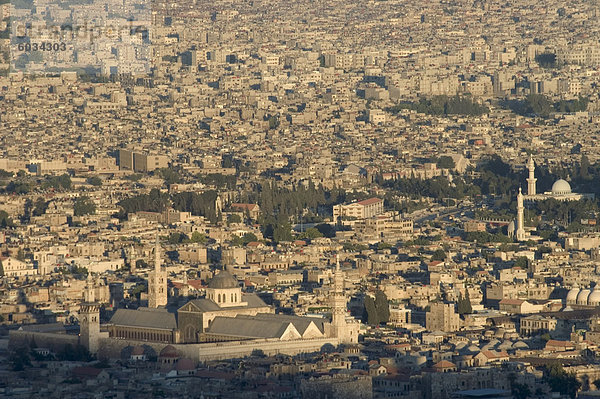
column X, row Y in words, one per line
column 310, row 199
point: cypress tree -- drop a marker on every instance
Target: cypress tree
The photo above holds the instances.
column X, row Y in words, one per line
column 372, row 317
column 382, row 306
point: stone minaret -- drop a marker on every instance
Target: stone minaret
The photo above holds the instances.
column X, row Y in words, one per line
column 520, row 222
column 157, row 282
column 531, row 190
column 338, row 303
column 89, row 318
column 132, row 259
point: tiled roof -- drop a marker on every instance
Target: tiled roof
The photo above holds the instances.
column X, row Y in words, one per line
column 145, row 317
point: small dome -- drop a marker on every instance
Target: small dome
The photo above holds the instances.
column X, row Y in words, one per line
column 582, row 298
column 594, row 298
column 520, row 345
column 137, row 351
column 460, row 345
column 572, row 295
column 223, row 280
column 169, row 351
column 561, row 187
column 185, row 365
column 505, row 345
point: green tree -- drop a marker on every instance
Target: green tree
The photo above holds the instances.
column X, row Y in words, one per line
column 439, row 254
column 370, row 314
column 176, row 238
column 198, row 237
column 546, row 60
column 5, row 220
column 282, row 232
column 464, row 303
column 561, row 381
column 383, row 306
column 19, row 359
column 520, row 391
column 169, row 175
column 94, row 181
column 1, row 269
column 584, row 168
column 273, row 122
column 326, row 229
column 84, row 206
column 40, row 206
column 445, row 162
column 234, row 218
column 311, row 233
column 521, row 262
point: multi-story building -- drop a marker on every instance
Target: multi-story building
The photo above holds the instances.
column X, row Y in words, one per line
column 359, row 210
column 442, row 317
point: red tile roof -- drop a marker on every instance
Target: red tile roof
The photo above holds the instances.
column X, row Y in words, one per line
column 370, row 201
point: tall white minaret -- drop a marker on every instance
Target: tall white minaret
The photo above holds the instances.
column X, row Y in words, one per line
column 520, row 223
column 531, row 190
column 89, row 318
column 338, row 303
column 157, row 281
column 89, row 295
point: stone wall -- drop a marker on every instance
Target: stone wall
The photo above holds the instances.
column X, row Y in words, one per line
column 340, row 386
column 121, row 348
column 53, row 341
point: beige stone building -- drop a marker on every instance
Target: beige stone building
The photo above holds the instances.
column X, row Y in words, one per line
column 442, row 317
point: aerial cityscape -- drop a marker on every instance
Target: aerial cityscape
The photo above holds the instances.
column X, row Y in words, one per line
column 299, row 199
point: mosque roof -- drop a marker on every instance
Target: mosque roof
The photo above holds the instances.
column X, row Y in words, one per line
column 223, row 280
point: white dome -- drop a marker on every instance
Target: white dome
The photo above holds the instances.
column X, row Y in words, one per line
column 582, row 298
column 594, row 298
column 572, row 296
column 561, row 187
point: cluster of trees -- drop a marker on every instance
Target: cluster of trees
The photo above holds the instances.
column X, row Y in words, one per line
column 561, row 381
column 24, row 185
column 279, row 204
column 180, row 238
column 443, row 105
column 444, row 162
column 376, row 310
column 62, row 182
column 280, row 201
column 568, row 213
column 546, row 60
column 169, row 175
column 94, row 181
column 84, row 206
column 155, row 201
column 243, row 240
column 5, row 220
column 580, row 104
column 497, row 177
column 18, row 187
column 540, row 105
column 219, row 180
column 483, row 237
column 199, row 204
column 438, row 187
column 21, row 357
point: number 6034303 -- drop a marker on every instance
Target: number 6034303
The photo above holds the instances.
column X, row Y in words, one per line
column 44, row 46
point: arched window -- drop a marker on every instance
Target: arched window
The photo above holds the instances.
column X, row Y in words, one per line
column 232, row 298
